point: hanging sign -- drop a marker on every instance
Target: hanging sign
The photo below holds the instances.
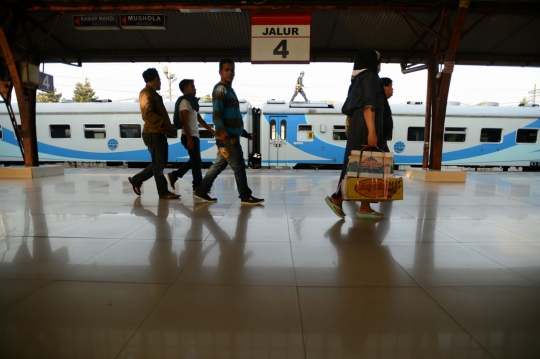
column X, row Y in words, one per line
column 280, row 38
column 143, row 22
column 96, row 22
column 46, row 82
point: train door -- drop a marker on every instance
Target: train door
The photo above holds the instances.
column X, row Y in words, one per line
column 278, row 141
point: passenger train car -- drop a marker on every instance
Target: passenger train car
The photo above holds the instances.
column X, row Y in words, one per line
column 475, row 136
column 103, row 132
column 311, row 134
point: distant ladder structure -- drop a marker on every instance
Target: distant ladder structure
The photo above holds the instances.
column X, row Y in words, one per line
column 534, row 92
column 16, row 128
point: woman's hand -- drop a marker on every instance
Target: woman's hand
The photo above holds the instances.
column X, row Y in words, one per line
column 372, row 139
column 369, row 117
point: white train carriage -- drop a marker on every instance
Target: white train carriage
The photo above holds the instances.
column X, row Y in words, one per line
column 101, row 132
column 475, row 136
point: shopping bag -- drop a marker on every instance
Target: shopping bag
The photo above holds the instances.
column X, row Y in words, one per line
column 370, row 176
column 367, row 163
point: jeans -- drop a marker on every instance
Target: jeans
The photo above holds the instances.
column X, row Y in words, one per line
column 237, row 163
column 159, row 151
column 194, row 163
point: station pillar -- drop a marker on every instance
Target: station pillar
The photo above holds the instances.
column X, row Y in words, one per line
column 437, row 130
column 26, row 100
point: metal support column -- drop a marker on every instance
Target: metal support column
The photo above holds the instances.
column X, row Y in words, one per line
column 444, row 87
column 26, row 100
column 431, row 109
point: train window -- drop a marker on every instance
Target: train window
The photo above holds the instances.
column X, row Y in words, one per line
column 273, row 129
column 283, row 130
column 204, row 133
column 305, row 133
column 94, row 131
column 527, row 135
column 338, row 134
column 455, row 134
column 130, row 131
column 60, row 131
column 491, row 135
column 415, row 134
column 1, row 133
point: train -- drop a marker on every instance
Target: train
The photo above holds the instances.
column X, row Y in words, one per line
column 287, row 135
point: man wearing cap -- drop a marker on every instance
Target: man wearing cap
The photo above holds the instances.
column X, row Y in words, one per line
column 298, row 88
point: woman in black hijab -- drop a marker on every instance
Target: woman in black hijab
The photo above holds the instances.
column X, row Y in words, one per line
column 365, row 105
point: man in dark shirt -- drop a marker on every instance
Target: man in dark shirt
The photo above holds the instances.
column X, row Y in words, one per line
column 299, row 87
column 157, row 125
column 388, row 122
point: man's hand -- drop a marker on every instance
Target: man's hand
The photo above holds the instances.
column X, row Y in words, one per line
column 190, row 144
column 223, row 137
column 221, row 134
column 250, row 136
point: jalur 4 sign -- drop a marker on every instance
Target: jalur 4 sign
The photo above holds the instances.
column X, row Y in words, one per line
column 280, row 38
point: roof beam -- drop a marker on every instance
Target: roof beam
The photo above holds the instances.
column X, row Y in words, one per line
column 484, row 7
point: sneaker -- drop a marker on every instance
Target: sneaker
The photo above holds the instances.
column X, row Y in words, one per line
column 252, row 200
column 205, row 197
column 172, row 180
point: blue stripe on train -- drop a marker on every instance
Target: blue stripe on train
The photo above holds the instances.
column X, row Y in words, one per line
column 314, row 147
column 177, row 152
column 475, row 151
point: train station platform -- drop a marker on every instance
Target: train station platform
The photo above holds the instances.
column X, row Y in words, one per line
column 90, row 270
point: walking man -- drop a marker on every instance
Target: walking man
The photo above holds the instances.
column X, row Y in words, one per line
column 229, row 128
column 186, row 115
column 156, row 126
column 299, row 87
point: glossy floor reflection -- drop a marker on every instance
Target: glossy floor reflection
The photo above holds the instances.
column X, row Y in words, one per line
column 89, row 270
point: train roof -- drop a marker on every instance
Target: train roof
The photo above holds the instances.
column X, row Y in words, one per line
column 280, row 107
column 108, row 107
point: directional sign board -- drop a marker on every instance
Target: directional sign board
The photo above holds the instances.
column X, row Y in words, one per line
column 46, row 82
column 280, row 38
column 143, row 21
column 96, row 22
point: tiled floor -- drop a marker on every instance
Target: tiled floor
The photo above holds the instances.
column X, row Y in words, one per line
column 90, row 270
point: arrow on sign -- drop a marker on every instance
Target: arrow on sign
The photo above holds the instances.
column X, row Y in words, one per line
column 77, row 20
column 124, row 20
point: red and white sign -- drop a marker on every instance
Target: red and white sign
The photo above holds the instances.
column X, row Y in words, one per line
column 280, row 38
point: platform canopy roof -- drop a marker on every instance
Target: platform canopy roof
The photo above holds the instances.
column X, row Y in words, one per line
column 496, row 32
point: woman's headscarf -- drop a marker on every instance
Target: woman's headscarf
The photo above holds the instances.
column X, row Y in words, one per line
column 366, row 60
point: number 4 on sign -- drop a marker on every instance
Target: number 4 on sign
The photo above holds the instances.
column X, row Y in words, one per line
column 46, row 82
column 281, row 49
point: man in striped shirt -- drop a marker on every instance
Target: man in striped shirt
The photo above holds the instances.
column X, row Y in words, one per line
column 229, row 127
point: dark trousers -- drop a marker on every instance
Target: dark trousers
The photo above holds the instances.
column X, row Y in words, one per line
column 194, row 163
column 159, row 151
column 237, row 163
column 301, row 92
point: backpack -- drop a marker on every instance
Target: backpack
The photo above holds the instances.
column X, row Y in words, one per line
column 177, row 119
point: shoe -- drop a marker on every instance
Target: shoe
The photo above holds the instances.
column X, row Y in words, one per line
column 372, row 215
column 170, row 196
column 172, row 180
column 136, row 189
column 195, row 188
column 252, row 200
column 338, row 211
column 205, row 197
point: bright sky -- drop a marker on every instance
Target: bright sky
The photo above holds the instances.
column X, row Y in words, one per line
column 323, row 81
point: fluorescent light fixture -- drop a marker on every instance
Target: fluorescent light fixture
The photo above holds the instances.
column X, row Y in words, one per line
column 210, row 10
